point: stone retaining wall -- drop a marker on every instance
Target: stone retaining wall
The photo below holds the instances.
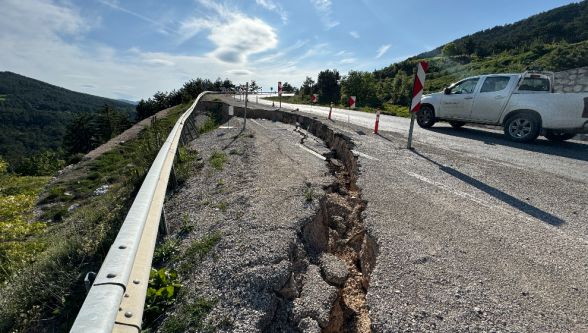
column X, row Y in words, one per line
column 570, row 81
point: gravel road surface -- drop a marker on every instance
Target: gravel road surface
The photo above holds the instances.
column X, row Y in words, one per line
column 474, row 233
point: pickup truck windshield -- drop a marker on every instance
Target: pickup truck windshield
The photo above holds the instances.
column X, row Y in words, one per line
column 465, row 87
column 535, row 84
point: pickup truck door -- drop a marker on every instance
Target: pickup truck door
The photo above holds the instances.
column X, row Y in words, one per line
column 457, row 102
column 492, row 98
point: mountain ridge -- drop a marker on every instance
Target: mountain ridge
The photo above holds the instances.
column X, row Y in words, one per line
column 34, row 114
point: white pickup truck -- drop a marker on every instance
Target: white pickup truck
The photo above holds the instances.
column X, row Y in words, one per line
column 524, row 104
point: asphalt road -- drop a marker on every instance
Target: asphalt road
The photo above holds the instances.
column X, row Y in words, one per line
column 474, row 233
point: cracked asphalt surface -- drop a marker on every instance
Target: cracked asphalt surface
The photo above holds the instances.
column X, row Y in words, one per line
column 474, row 233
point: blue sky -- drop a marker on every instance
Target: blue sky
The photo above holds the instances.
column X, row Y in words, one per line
column 131, row 49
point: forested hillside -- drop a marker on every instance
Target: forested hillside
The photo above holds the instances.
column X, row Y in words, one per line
column 555, row 40
column 34, row 115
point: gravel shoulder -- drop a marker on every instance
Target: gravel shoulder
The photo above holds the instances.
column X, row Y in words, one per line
column 258, row 204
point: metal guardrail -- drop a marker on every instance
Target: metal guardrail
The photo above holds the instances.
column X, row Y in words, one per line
column 116, row 299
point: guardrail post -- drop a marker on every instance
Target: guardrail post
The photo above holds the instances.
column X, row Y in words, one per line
column 163, row 227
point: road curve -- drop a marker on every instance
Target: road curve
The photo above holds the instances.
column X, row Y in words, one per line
column 474, row 233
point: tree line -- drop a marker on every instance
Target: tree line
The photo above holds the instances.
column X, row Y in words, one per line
column 189, row 91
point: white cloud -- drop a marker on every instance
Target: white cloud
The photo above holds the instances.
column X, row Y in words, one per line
column 325, row 12
column 354, row 34
column 161, row 62
column 348, row 61
column 235, row 35
column 382, row 50
column 273, row 7
column 19, row 16
column 240, row 72
column 344, row 53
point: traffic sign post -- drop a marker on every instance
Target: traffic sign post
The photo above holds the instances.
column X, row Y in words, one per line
column 352, row 100
column 330, row 110
column 417, row 93
column 245, row 112
column 231, row 113
column 280, row 92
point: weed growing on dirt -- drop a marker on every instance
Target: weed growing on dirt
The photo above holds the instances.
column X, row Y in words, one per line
column 217, row 160
column 162, row 292
column 309, row 194
column 197, row 251
column 166, row 250
column 190, row 315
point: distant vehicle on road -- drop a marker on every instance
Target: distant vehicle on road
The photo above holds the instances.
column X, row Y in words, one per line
column 524, row 104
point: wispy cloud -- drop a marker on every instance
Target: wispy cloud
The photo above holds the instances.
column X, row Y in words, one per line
column 348, row 61
column 354, row 34
column 274, row 7
column 162, row 28
column 382, row 50
column 325, row 11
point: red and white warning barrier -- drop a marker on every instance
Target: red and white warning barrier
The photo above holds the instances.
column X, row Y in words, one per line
column 314, row 98
column 419, row 83
column 417, row 93
column 352, row 100
column 377, row 122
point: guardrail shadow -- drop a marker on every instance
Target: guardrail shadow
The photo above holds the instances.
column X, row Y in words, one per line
column 568, row 149
column 498, row 194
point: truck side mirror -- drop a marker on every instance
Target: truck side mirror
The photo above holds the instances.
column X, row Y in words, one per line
column 447, row 91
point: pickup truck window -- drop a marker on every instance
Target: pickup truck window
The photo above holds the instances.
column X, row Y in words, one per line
column 495, row 83
column 465, row 87
column 534, row 84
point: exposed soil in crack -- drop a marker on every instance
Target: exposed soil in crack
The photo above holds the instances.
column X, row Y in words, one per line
column 338, row 229
column 349, row 242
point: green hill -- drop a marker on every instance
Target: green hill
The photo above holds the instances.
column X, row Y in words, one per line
column 554, row 40
column 34, row 114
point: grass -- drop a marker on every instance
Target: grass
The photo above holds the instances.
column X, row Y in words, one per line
column 309, row 194
column 191, row 312
column 190, row 315
column 222, row 206
column 200, row 248
column 165, row 251
column 217, row 160
column 20, row 235
column 54, row 258
column 186, row 227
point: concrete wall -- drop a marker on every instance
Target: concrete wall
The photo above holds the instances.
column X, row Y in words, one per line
column 573, row 80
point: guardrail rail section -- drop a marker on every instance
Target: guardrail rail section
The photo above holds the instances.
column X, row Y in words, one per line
column 116, row 299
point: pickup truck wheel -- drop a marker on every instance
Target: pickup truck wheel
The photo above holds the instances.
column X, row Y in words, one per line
column 558, row 136
column 426, row 117
column 522, row 127
column 456, row 124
